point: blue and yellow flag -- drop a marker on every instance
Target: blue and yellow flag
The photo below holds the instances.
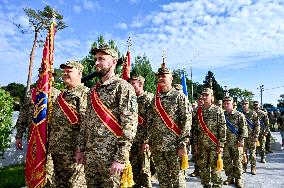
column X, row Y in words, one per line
column 35, row 170
column 183, row 83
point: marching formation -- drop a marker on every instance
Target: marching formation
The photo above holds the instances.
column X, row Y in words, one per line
column 115, row 134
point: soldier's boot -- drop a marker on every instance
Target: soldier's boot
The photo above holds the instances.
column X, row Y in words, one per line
column 244, row 168
column 195, row 173
column 253, row 170
column 263, row 160
column 229, row 181
column 239, row 183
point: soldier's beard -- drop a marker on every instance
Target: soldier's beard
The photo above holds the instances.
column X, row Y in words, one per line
column 101, row 73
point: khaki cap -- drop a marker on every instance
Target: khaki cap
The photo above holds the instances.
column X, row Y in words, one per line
column 228, row 98
column 73, row 64
column 207, row 91
column 163, row 70
column 245, row 101
column 255, row 102
column 139, row 78
column 106, row 49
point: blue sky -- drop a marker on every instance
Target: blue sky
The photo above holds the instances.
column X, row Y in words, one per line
column 241, row 41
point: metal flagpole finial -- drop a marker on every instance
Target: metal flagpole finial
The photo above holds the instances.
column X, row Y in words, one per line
column 164, row 56
column 53, row 15
column 129, row 43
column 210, row 83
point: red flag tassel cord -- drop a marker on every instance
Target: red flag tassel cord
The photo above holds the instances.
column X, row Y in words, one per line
column 35, row 170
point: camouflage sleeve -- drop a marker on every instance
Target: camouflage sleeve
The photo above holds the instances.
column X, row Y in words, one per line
column 150, row 119
column 23, row 118
column 185, row 117
column 256, row 125
column 129, row 120
column 148, row 113
column 266, row 122
column 194, row 129
column 222, row 128
column 243, row 127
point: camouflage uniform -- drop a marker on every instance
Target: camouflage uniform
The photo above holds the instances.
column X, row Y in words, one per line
column 140, row 160
column 233, row 155
column 100, row 145
column 264, row 129
column 215, row 121
column 164, row 143
column 24, row 122
column 62, row 141
column 253, row 133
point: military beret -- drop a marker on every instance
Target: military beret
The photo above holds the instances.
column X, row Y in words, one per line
column 106, row 49
column 228, row 98
column 178, row 87
column 140, row 78
column 163, row 70
column 73, row 64
column 207, row 91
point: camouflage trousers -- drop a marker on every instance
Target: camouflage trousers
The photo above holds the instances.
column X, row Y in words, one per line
column 168, row 169
column 250, row 146
column 208, row 163
column 195, row 157
column 261, row 148
column 67, row 172
column 98, row 176
column 140, row 162
column 233, row 161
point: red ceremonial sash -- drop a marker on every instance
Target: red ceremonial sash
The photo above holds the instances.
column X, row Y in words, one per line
column 141, row 121
column 168, row 121
column 204, row 127
column 105, row 115
column 71, row 114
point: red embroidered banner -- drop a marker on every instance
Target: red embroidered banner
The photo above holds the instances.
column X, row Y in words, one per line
column 163, row 114
column 71, row 114
column 126, row 67
column 105, row 115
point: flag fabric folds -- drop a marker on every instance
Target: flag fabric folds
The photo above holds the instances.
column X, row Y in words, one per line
column 183, row 83
column 35, row 172
column 126, row 67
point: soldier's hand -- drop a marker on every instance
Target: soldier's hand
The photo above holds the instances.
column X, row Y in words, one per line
column 116, row 167
column 80, row 157
column 219, row 149
column 19, row 144
column 145, row 147
column 182, row 151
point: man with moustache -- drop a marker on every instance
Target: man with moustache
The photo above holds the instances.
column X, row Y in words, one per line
column 169, row 130
column 65, row 125
column 109, row 125
column 253, row 133
column 140, row 153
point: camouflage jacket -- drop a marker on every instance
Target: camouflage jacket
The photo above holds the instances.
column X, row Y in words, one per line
column 280, row 121
column 215, row 120
column 101, row 146
column 264, row 122
column 177, row 107
column 238, row 121
column 194, row 129
column 62, row 134
column 252, row 117
column 144, row 104
column 24, row 120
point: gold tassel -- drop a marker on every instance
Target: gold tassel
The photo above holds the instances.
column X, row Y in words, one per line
column 127, row 176
column 257, row 143
column 184, row 162
column 219, row 162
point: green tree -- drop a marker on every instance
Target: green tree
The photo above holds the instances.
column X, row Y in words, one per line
column 17, row 91
column 218, row 90
column 90, row 60
column 240, row 94
column 6, row 127
column 39, row 21
column 142, row 67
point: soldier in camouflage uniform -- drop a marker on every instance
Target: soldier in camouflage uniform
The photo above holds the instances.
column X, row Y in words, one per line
column 64, row 129
column 140, row 153
column 104, row 150
column 253, row 133
column 214, row 118
column 264, row 129
column 167, row 146
column 24, row 122
column 237, row 131
column 272, row 122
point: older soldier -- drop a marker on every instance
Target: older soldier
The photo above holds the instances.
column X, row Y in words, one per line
column 264, row 129
column 109, row 125
column 24, row 122
column 253, row 133
column 169, row 131
column 211, row 139
column 233, row 151
column 140, row 153
column 65, row 127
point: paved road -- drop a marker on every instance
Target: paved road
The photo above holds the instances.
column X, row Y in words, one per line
column 269, row 175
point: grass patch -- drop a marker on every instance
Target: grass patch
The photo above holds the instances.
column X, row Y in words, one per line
column 12, row 176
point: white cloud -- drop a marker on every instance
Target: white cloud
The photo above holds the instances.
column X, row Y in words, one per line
column 134, row 1
column 90, row 5
column 77, row 9
column 121, row 25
